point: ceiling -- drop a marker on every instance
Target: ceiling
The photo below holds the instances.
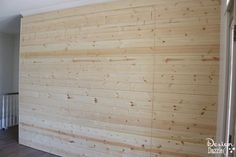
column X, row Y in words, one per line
column 11, row 10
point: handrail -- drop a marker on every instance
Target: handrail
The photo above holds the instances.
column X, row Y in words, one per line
column 9, row 110
column 16, row 93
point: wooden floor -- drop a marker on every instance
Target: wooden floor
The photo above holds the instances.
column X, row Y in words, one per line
column 9, row 146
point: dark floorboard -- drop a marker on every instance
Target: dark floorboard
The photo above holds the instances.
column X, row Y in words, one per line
column 9, row 146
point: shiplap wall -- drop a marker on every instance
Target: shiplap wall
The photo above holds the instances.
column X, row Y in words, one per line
column 121, row 79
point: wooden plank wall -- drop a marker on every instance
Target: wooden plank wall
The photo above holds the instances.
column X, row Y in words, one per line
column 130, row 78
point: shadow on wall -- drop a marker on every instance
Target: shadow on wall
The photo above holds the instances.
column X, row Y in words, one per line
column 9, row 62
column 10, row 25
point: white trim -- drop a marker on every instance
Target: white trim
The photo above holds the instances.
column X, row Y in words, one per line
column 61, row 6
column 223, row 76
column 231, row 84
column 228, row 2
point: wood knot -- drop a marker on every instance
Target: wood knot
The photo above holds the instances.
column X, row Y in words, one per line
column 95, row 100
column 68, row 96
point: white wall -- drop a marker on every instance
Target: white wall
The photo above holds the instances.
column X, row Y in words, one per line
column 8, row 63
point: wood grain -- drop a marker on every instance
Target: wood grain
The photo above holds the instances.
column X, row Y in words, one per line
column 125, row 78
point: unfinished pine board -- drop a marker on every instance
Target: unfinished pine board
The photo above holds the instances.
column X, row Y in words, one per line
column 121, row 79
column 185, row 110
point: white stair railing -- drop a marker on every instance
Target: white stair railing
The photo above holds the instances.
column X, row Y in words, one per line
column 9, row 110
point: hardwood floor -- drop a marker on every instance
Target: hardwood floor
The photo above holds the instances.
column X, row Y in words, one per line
column 9, row 146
